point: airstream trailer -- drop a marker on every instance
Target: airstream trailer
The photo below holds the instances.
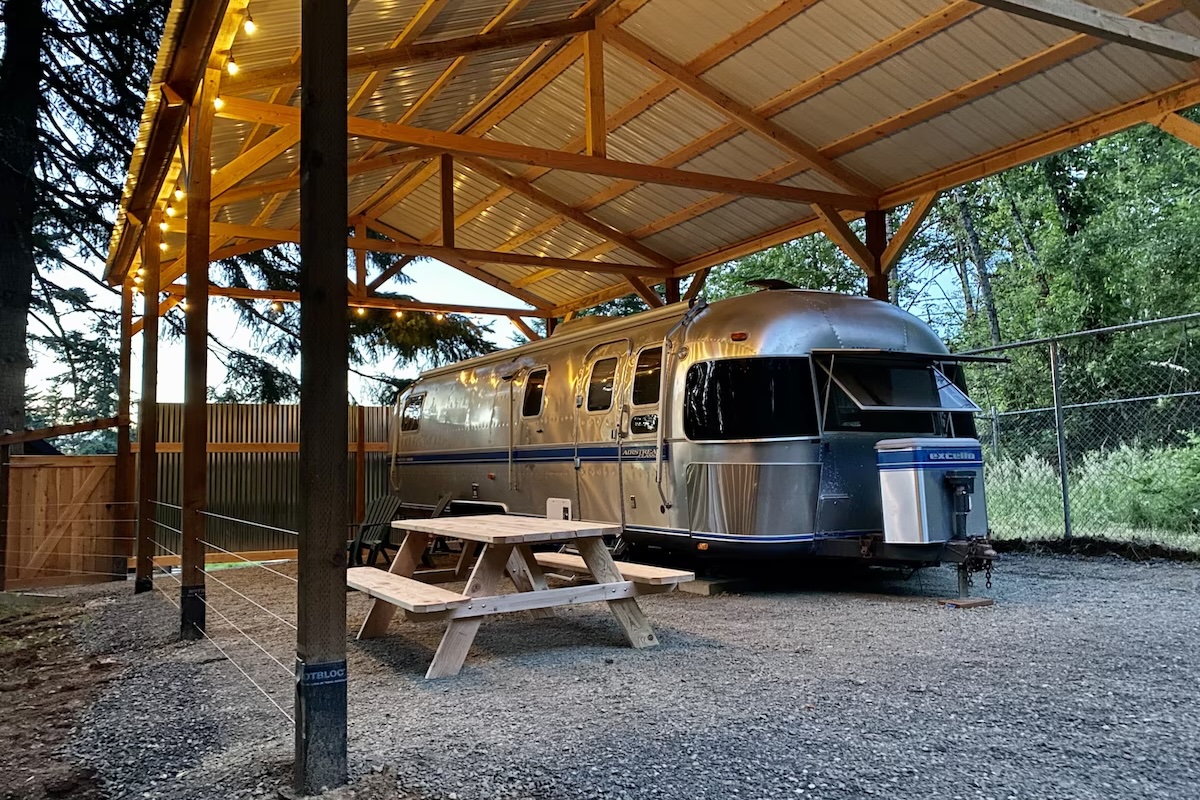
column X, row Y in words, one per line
column 780, row 422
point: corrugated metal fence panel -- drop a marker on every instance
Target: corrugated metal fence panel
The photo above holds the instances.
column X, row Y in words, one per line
column 256, row 486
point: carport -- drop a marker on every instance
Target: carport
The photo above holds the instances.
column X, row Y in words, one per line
column 568, row 153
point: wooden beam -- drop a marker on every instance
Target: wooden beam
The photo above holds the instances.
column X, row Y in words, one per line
column 389, row 303
column 54, row 431
column 846, row 239
column 147, row 432
column 524, row 328
column 163, row 308
column 257, row 111
column 645, row 292
column 904, row 236
column 697, row 285
column 290, row 183
column 787, row 141
column 446, row 178
column 466, row 268
column 254, row 159
column 1181, row 128
column 232, row 231
column 593, row 94
column 360, row 262
column 387, row 59
column 522, row 187
column 392, row 271
column 1104, row 24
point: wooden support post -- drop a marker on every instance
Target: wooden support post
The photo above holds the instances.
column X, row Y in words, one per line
column 192, row 603
column 447, row 186
column 697, row 285
column 360, row 262
column 123, row 494
column 360, row 462
column 551, row 324
column 147, row 434
column 320, row 700
column 877, row 279
column 595, row 127
column 672, row 290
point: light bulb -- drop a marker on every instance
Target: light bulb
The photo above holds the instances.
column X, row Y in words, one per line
column 183, row 305
column 231, row 66
column 162, row 246
column 399, row 315
column 137, row 279
column 162, row 226
column 248, row 25
column 141, row 272
column 170, row 210
column 277, row 306
column 178, row 192
column 362, row 312
column 218, row 103
column 439, row 317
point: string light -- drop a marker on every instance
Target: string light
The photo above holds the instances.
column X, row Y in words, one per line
column 231, row 66
column 183, row 305
column 362, row 312
column 218, row 103
column 277, row 306
column 178, row 192
column 439, row 317
column 162, row 246
column 162, row 226
column 170, row 210
column 248, row 25
column 399, row 315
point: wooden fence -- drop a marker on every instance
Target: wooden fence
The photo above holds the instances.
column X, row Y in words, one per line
column 62, row 522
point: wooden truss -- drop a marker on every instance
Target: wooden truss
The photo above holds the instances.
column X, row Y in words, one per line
column 417, row 155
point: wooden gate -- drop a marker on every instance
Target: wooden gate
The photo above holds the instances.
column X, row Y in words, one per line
column 61, row 522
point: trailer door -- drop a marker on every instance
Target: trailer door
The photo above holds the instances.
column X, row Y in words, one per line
column 639, row 438
column 599, row 415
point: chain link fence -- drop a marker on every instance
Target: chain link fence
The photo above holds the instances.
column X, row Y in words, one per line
column 1095, row 435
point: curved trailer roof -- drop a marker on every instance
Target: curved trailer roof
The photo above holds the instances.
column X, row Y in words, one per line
column 598, row 147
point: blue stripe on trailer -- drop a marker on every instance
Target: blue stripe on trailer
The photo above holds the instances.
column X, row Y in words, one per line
column 534, row 455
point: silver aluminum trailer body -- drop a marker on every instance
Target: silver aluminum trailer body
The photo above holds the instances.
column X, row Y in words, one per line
column 714, row 427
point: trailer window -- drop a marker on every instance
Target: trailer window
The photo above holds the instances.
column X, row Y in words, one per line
column 749, row 398
column 535, row 390
column 410, row 417
column 600, row 387
column 648, row 377
column 882, row 396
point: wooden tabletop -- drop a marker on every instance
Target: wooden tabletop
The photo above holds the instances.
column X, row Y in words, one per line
column 507, row 529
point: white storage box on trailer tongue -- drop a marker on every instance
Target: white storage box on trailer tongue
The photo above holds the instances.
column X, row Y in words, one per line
column 919, row 478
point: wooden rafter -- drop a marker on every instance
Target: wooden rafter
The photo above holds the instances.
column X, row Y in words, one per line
column 697, row 285
column 745, row 116
column 525, row 189
column 446, row 190
column 392, row 271
column 535, row 73
column 1104, row 24
column 907, row 37
column 952, row 14
column 257, row 111
column 290, row 183
column 254, row 159
column 1181, row 128
column 285, row 296
column 528, row 332
column 467, row 268
column 232, row 231
column 381, row 62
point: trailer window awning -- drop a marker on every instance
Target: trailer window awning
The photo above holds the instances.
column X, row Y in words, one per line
column 878, row 384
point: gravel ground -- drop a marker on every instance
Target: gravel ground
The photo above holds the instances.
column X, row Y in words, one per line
column 1082, row 682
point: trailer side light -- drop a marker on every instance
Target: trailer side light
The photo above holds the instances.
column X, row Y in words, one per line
column 739, row 336
column 702, row 546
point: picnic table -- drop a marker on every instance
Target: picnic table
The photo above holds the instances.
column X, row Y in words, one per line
column 504, row 543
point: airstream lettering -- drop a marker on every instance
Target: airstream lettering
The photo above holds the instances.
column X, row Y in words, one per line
column 784, row 421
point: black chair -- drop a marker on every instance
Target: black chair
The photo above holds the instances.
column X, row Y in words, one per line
column 374, row 532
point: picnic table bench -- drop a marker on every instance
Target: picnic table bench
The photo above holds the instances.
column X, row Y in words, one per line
column 505, row 542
